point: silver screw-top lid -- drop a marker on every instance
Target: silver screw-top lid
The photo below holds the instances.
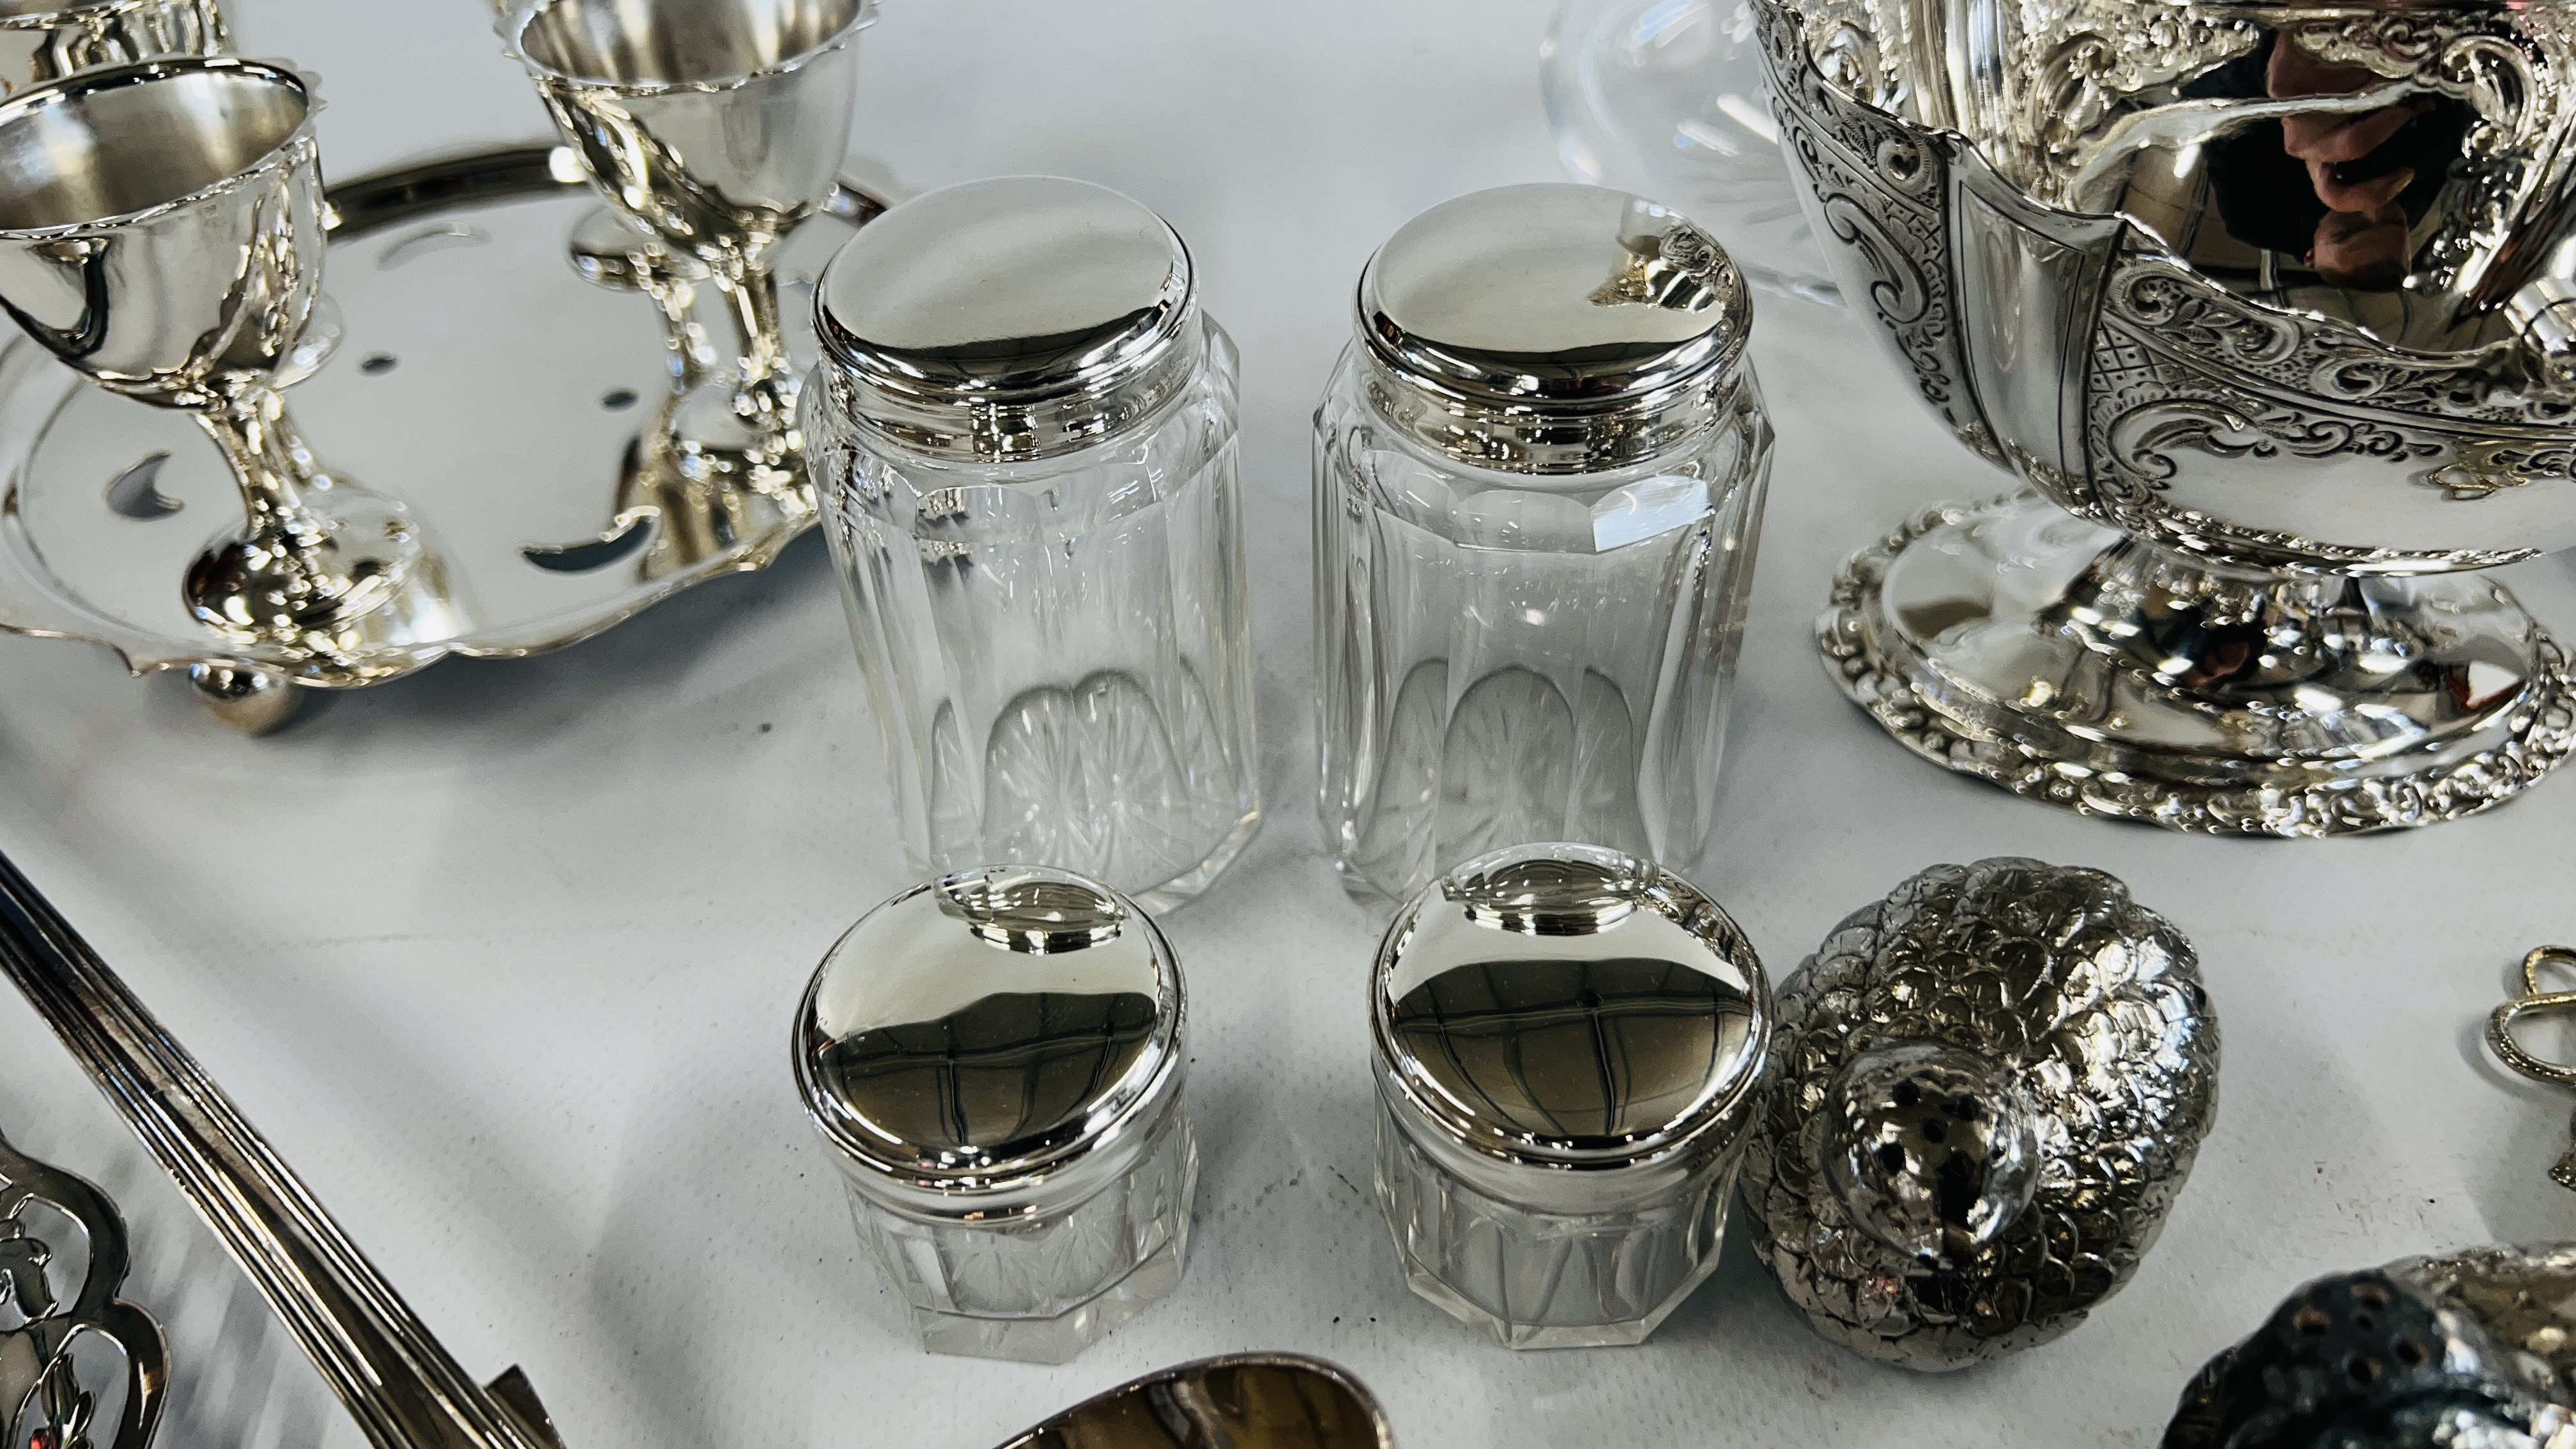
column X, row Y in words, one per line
column 987, row 1032
column 1565, row 1006
column 1551, row 328
column 1014, row 318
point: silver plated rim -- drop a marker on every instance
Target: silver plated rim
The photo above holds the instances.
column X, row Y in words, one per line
column 513, row 24
column 91, row 83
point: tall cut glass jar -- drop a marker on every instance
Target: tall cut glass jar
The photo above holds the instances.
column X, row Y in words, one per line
column 1539, row 476
column 1023, row 438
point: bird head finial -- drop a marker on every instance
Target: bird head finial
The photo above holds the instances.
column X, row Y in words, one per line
column 1930, row 1148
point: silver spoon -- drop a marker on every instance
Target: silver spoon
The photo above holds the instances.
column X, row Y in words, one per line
column 1242, row 1401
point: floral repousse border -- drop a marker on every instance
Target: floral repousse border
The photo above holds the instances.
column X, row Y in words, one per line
column 2176, row 363
column 1876, row 188
column 2544, row 735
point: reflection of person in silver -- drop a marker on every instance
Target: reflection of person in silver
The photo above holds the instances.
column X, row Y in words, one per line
column 2340, row 191
column 2361, row 241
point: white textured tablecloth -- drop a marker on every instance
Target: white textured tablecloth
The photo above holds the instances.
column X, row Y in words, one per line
column 502, row 957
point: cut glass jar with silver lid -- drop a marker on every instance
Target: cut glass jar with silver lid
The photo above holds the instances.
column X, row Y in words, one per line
column 1570, row 1044
column 1539, row 475
column 995, row 1060
column 1022, row 435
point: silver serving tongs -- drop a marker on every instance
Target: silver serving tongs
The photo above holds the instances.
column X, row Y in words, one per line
column 398, row 1383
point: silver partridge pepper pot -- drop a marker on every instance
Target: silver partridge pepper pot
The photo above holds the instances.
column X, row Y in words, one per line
column 2470, row 1351
column 1992, row 1085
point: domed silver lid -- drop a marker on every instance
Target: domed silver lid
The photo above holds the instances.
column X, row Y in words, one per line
column 1551, row 328
column 976, row 1034
column 1014, row 318
column 1562, row 1005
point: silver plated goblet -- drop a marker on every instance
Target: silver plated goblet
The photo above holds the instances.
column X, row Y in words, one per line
column 161, row 233
column 2266, row 307
column 46, row 40
column 714, row 127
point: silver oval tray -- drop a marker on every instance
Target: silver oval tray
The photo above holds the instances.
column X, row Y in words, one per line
column 477, row 378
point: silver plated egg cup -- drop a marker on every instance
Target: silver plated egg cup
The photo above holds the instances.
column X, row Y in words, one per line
column 712, row 131
column 47, row 40
column 162, row 235
column 2258, row 304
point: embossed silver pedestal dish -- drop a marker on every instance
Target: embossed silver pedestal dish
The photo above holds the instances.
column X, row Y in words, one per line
column 2271, row 300
column 507, row 403
column 1570, row 1053
column 1992, row 1084
column 995, row 1062
column 2471, row 1349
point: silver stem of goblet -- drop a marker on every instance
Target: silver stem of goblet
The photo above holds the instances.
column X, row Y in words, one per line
column 765, row 391
column 161, row 231
column 607, row 252
column 268, row 458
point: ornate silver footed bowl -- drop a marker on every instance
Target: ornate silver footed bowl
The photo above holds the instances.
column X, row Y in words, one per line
column 161, row 235
column 2267, row 309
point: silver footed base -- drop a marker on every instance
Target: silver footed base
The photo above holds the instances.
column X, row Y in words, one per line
column 2072, row 665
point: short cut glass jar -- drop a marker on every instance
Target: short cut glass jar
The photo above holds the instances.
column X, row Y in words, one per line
column 995, row 1060
column 1022, row 437
column 1570, row 1050
column 1539, row 475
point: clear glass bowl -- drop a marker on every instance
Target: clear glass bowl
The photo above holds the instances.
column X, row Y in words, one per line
column 1665, row 98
